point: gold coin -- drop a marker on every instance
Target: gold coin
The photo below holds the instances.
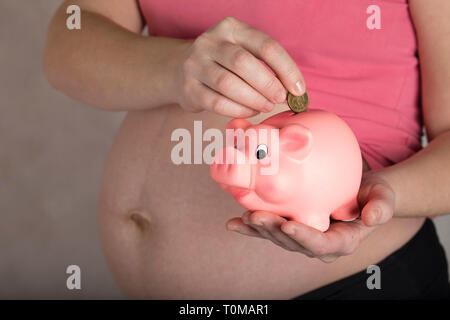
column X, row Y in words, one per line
column 298, row 103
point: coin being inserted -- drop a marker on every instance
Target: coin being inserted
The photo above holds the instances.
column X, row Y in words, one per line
column 298, row 103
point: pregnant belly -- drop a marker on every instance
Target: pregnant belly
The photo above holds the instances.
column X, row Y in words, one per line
column 162, row 226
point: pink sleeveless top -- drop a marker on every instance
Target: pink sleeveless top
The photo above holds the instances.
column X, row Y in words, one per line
column 367, row 76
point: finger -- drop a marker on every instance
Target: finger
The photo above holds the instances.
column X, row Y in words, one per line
column 272, row 223
column 248, row 218
column 311, row 239
column 230, row 85
column 328, row 258
column 376, row 212
column 266, row 234
column 251, row 70
column 341, row 238
column 237, row 225
column 213, row 101
column 379, row 207
column 344, row 237
column 273, row 54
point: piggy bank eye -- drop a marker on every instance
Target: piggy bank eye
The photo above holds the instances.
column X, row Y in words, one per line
column 261, row 151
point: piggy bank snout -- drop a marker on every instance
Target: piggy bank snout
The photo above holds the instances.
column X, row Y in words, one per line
column 231, row 168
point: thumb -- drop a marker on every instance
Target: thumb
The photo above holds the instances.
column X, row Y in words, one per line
column 379, row 207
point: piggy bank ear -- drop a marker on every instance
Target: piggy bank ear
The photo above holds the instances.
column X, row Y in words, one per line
column 295, row 141
column 238, row 124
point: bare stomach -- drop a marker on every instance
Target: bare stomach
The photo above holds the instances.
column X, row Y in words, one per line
column 162, row 226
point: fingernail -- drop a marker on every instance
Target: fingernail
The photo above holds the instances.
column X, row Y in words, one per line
column 269, row 106
column 376, row 215
column 300, row 89
column 290, row 231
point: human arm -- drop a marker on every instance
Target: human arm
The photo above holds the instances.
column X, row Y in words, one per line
column 107, row 63
column 422, row 182
column 110, row 65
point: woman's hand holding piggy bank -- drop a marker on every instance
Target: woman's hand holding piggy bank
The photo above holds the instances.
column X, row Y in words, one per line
column 311, row 172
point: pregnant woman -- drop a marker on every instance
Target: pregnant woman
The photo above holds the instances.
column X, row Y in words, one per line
column 166, row 228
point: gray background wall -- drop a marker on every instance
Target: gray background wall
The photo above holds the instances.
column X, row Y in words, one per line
column 52, row 151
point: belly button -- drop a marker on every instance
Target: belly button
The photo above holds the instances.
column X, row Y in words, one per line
column 141, row 222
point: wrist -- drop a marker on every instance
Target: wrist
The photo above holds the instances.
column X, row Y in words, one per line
column 157, row 69
column 171, row 71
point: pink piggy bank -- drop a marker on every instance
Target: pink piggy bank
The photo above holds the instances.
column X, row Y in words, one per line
column 305, row 167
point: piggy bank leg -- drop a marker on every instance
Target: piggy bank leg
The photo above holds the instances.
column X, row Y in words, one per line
column 348, row 212
column 319, row 221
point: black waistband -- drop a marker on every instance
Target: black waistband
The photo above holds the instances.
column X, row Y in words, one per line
column 417, row 270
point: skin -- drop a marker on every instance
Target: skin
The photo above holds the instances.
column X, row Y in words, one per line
column 149, row 241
